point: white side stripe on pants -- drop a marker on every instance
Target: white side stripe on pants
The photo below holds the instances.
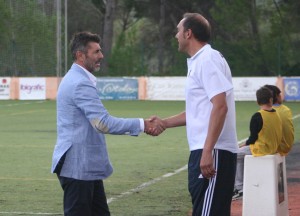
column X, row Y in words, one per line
column 211, row 187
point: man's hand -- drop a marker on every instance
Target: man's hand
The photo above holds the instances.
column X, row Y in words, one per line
column 154, row 126
column 206, row 164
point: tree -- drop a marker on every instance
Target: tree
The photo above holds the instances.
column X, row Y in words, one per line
column 29, row 38
column 286, row 32
column 108, row 31
column 256, row 37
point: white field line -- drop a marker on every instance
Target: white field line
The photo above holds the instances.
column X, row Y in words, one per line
column 127, row 193
column 20, row 104
column 27, row 112
column 296, row 116
column 146, row 184
column 29, row 213
column 27, row 179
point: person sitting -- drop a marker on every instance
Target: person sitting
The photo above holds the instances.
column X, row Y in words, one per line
column 286, row 117
column 265, row 136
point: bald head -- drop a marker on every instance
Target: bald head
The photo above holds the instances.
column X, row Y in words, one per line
column 199, row 26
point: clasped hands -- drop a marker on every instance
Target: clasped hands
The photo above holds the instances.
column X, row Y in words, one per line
column 154, row 126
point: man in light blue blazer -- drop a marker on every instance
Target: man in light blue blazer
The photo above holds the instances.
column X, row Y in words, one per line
column 80, row 157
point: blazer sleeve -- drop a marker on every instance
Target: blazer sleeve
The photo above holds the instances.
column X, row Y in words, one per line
column 87, row 99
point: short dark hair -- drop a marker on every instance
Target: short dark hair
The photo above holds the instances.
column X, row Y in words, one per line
column 198, row 25
column 275, row 90
column 263, row 95
column 80, row 40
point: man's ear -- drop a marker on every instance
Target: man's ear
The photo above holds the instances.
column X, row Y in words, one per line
column 80, row 55
column 189, row 33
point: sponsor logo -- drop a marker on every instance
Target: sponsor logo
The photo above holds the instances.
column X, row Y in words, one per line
column 4, row 84
column 291, row 88
column 31, row 88
column 245, row 84
column 112, row 88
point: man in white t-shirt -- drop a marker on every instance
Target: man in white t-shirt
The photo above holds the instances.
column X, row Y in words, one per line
column 209, row 118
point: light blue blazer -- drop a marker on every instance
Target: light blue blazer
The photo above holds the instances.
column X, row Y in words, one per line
column 82, row 121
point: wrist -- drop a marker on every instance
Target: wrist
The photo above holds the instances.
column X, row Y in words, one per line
column 165, row 123
column 206, row 149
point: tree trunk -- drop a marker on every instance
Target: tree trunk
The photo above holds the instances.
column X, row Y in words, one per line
column 108, row 32
column 257, row 41
column 161, row 46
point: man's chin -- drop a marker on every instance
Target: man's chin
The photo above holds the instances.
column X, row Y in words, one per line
column 97, row 69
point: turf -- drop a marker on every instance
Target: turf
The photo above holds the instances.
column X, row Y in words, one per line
column 28, row 134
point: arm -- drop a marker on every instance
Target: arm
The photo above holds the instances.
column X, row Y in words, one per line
column 87, row 102
column 216, row 123
column 175, row 121
column 172, row 121
column 256, row 124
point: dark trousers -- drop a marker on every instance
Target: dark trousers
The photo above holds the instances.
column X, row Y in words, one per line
column 212, row 197
column 84, row 198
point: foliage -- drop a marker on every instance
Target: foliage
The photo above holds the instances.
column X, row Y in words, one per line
column 251, row 35
column 127, row 54
column 28, row 44
column 257, row 37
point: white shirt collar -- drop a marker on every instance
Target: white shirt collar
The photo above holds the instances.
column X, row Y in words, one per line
column 90, row 75
column 199, row 51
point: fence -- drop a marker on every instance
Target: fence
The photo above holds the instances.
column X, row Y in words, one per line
column 28, row 38
column 141, row 88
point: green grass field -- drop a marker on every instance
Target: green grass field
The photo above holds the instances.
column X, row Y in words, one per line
column 138, row 186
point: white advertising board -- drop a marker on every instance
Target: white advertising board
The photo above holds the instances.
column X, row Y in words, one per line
column 5, row 88
column 173, row 88
column 32, row 89
column 166, row 88
column 245, row 87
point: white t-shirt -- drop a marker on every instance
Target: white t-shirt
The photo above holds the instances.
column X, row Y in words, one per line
column 209, row 75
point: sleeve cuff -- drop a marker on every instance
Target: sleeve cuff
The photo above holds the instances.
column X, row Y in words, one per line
column 142, row 125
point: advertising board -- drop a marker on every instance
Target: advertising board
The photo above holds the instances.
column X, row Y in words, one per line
column 291, row 89
column 5, row 88
column 32, row 89
column 118, row 88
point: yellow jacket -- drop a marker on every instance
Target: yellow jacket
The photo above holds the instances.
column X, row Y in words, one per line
column 287, row 140
column 269, row 137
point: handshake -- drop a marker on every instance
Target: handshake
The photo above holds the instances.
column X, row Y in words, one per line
column 154, row 126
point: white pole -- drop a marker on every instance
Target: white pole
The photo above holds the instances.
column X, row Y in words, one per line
column 58, row 39
column 66, row 36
